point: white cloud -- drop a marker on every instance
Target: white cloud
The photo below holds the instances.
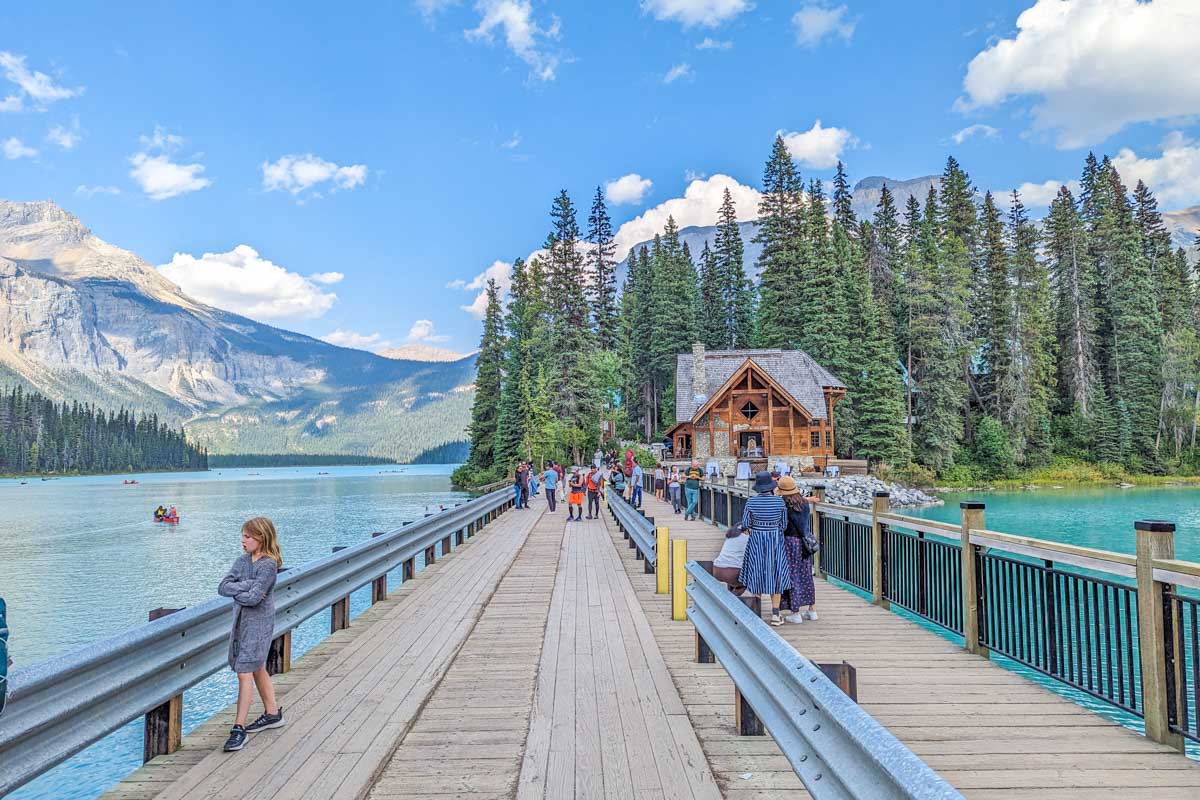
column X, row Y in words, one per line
column 423, row 330
column 431, row 7
column 1174, row 176
column 818, row 147
column 513, row 142
column 296, row 174
column 326, row 278
column 159, row 175
column 1036, row 194
column 82, row 190
column 523, row 36
column 699, row 206
column 66, row 138
column 629, row 188
column 243, row 282
column 344, row 338
column 500, row 272
column 709, row 43
column 1094, row 66
column 814, row 21
column 678, row 71
column 14, row 148
column 690, row 175
column 709, row 13
column 982, row 131
column 37, row 86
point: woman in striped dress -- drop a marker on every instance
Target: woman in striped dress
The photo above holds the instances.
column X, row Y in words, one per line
column 765, row 567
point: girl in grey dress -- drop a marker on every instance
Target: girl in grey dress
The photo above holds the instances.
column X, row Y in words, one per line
column 251, row 583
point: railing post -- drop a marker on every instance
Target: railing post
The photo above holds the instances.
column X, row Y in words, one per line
column 164, row 724
column 279, row 657
column 880, row 505
column 678, row 580
column 408, row 570
column 817, row 495
column 446, row 548
column 379, row 585
column 704, row 653
column 1155, row 540
column 662, row 560
column 339, row 612
column 972, row 586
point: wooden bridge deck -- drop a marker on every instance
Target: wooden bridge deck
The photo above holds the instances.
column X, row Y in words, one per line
column 988, row 731
column 535, row 661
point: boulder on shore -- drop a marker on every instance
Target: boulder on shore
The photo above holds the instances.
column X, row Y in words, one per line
column 858, row 491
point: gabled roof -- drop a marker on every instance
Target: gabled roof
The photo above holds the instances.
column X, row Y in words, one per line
column 794, row 370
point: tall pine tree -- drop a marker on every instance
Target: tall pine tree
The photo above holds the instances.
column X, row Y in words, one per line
column 601, row 282
column 489, row 372
column 780, row 315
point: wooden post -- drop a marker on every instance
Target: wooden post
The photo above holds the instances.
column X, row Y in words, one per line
column 881, row 505
column 339, row 612
column 379, row 585
column 678, row 580
column 662, row 560
column 164, row 723
column 408, row 570
column 844, row 676
column 745, row 720
column 704, row 653
column 972, row 519
column 279, row 657
column 1155, row 540
column 446, row 548
column 817, row 496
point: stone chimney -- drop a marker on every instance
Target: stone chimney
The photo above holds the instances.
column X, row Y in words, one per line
column 699, row 378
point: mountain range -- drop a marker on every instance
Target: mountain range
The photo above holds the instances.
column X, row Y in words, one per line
column 81, row 319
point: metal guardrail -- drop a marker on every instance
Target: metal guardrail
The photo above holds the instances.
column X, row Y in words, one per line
column 60, row 706
column 838, row 751
column 638, row 529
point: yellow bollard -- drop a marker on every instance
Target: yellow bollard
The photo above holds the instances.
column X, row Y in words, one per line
column 678, row 580
column 662, row 560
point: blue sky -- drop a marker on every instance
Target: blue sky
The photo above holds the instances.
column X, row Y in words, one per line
column 346, row 166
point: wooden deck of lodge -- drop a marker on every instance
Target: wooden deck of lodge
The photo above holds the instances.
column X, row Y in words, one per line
column 536, row 661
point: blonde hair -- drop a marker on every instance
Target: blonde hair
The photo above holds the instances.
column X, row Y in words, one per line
column 262, row 530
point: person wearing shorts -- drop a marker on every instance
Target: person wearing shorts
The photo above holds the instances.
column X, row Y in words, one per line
column 575, row 496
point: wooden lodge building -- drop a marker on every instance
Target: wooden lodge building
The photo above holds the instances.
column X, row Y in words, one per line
column 757, row 406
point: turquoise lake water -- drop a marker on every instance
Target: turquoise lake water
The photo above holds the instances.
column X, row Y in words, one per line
column 81, row 559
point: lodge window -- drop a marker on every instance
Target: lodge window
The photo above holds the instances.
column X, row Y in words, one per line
column 828, row 439
column 749, row 410
column 814, row 438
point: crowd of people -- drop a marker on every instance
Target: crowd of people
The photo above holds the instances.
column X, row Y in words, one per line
column 769, row 553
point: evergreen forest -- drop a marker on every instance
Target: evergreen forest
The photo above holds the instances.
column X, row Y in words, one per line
column 40, row 436
column 976, row 343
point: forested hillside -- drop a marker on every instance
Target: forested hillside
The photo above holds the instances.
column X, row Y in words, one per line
column 39, row 436
column 1076, row 339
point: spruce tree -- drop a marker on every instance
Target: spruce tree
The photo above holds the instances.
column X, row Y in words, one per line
column 737, row 307
column 780, row 317
column 998, row 383
column 824, row 330
column 570, row 330
column 1073, row 275
column 526, row 328
column 843, row 200
column 601, row 283
column 885, row 256
column 1033, row 339
column 674, row 298
column 489, row 372
column 711, row 315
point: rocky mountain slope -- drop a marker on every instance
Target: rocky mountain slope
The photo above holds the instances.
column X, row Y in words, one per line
column 83, row 319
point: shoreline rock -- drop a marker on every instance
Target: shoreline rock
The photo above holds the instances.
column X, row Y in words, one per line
column 858, row 491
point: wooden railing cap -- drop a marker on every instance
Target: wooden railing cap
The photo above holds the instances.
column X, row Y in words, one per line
column 1155, row 525
column 972, row 505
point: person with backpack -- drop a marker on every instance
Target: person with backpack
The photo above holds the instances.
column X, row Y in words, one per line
column 691, row 489
column 765, row 567
column 616, row 479
column 575, row 497
column 594, row 483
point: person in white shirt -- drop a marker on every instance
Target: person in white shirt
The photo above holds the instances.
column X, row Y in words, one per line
column 727, row 566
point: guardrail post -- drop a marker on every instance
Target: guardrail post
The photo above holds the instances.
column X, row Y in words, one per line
column 408, row 570
column 446, row 548
column 744, row 718
column 704, row 653
column 662, row 558
column 817, row 495
column 339, row 612
column 844, row 676
column 379, row 585
column 164, row 723
column 881, row 505
column 972, row 584
column 1155, row 540
column 678, row 580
